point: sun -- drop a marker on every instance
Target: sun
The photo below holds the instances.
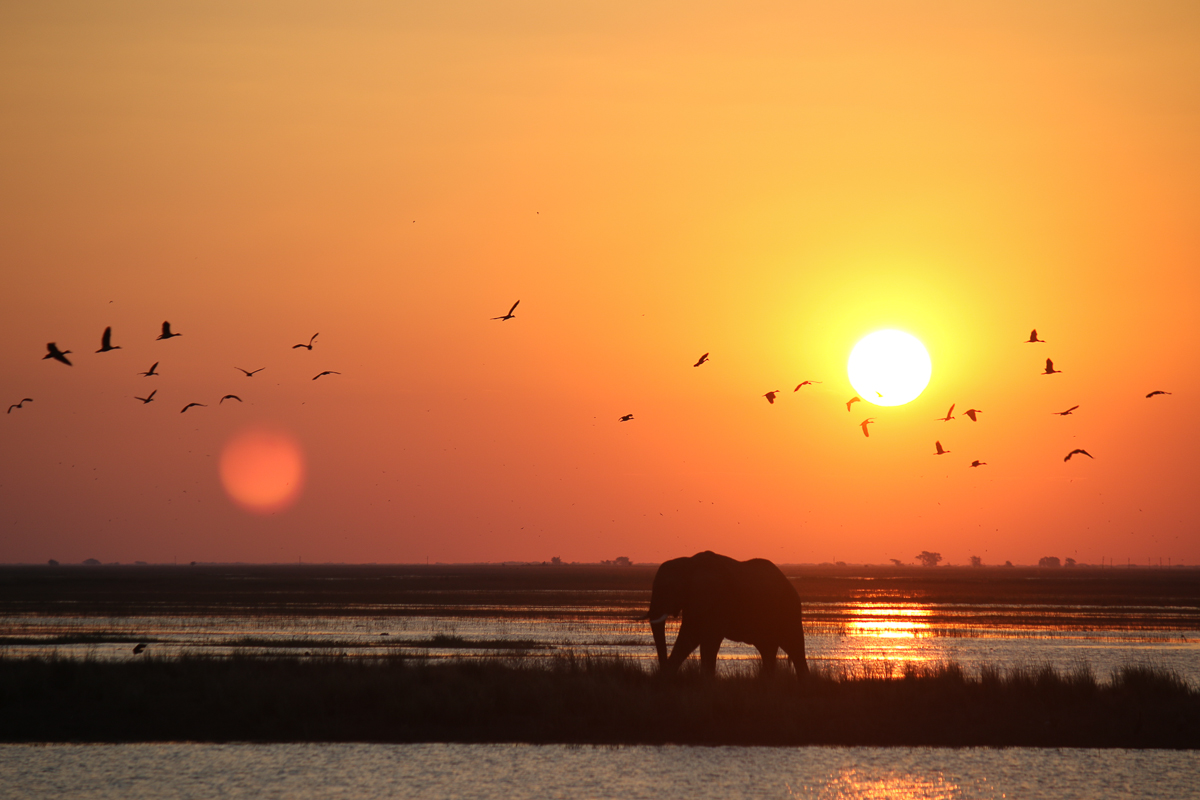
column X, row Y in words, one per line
column 889, row 368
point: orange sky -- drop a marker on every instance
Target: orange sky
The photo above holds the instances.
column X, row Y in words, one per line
column 765, row 182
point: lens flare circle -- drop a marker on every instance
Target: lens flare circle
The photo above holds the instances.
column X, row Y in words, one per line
column 262, row 470
column 889, row 368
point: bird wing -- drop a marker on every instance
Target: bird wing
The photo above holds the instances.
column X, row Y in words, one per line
column 514, row 308
column 151, row 397
column 951, row 411
column 26, row 400
column 297, row 346
column 1049, row 365
column 10, row 408
column 166, row 330
column 314, row 336
column 938, row 445
column 153, row 367
column 106, row 339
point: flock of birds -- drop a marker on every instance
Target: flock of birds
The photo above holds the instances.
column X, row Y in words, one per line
column 106, row 345
column 970, row 413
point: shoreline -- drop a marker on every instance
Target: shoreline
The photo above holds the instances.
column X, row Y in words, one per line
column 572, row 700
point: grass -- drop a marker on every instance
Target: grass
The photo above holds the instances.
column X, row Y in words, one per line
column 569, row 699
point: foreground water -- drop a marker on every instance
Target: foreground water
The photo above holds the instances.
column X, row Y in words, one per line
column 512, row 772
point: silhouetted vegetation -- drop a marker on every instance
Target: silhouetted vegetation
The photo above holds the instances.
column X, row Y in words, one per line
column 582, row 700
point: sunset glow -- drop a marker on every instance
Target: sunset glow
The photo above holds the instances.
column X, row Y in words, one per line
column 262, row 470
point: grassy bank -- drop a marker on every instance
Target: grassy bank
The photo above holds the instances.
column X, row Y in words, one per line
column 580, row 701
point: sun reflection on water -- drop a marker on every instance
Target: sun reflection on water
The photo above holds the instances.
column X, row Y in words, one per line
column 888, row 622
column 850, row 784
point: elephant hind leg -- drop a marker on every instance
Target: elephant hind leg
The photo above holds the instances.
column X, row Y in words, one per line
column 795, row 653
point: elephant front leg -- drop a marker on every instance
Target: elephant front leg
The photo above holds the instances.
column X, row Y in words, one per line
column 768, row 653
column 708, row 655
column 687, row 641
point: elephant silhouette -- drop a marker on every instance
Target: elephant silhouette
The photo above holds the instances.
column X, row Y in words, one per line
column 722, row 598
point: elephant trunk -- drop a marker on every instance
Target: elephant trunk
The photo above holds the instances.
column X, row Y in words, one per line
column 659, row 628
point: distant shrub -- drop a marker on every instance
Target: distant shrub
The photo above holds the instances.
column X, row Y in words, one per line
column 928, row 559
column 1049, row 561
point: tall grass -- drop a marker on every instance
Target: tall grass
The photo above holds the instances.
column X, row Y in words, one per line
column 580, row 699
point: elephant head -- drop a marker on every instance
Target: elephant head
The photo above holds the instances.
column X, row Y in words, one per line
column 667, row 600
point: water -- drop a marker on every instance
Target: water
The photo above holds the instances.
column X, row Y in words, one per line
column 850, row 636
column 514, row 772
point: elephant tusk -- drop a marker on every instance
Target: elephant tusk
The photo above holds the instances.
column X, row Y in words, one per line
column 660, row 620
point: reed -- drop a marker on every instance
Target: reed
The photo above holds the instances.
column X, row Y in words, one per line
column 572, row 699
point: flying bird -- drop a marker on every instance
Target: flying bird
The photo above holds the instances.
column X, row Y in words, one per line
column 1050, row 370
column 1033, row 337
column 510, row 314
column 249, row 373
column 189, row 405
column 703, row 358
column 1077, row 450
column 138, row 648
column 326, row 372
column 804, row 383
column 949, row 414
column 230, row 397
column 978, row 464
column 1065, row 413
column 106, row 341
column 306, row 346
column 1156, row 391
column 151, row 397
column 166, row 333
column 151, row 371
column 864, row 425
column 56, row 354
column 855, row 399
column 971, row 412
column 625, row 418
column 18, row 405
column 771, row 396
column 940, row 451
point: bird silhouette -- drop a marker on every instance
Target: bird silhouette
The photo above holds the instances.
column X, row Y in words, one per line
column 703, row 358
column 326, row 372
column 249, row 373
column 1078, row 450
column 1033, row 337
column 940, row 451
column 1156, row 391
column 978, row 464
column 804, row 383
column 855, row 399
column 138, row 648
column 151, row 397
column 971, row 412
column 771, row 396
column 189, row 405
column 510, row 314
column 229, row 397
column 166, row 332
column 106, row 341
column 150, row 371
column 18, row 405
column 864, row 425
column 1050, row 370
column 306, row 346
column 625, row 418
column 56, row 354
column 1065, row 413
column 949, row 414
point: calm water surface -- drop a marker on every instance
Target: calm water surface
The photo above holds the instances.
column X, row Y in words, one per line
column 513, row 772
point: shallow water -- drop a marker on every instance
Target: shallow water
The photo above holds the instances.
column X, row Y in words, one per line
column 868, row 636
column 514, row 772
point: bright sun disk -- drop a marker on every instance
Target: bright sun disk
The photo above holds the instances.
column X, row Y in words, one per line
column 889, row 368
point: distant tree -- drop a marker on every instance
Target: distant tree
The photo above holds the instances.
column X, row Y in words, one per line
column 91, row 562
column 897, row 562
column 1070, row 562
column 839, row 563
column 1049, row 561
column 1008, row 563
column 976, row 561
column 53, row 563
column 556, row 560
column 928, row 559
column 623, row 561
